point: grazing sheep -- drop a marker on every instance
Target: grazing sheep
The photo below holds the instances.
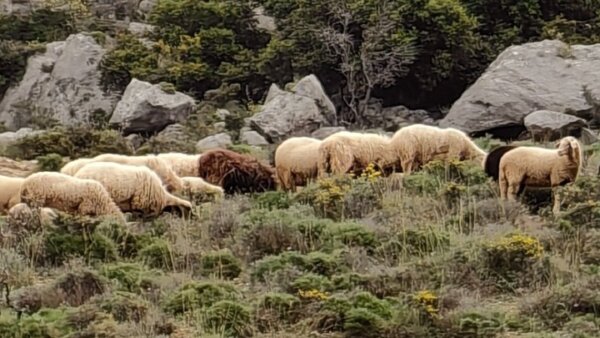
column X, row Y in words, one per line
column 418, row 144
column 133, row 188
column 198, row 189
column 184, row 165
column 236, row 172
column 21, row 215
column 9, row 192
column 491, row 163
column 73, row 166
column 540, row 167
column 297, row 161
column 158, row 165
column 345, row 151
column 69, row 194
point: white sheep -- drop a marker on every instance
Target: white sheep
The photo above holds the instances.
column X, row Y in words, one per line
column 540, row 167
column 69, row 194
column 184, row 165
column 9, row 192
column 73, row 166
column 159, row 166
column 297, row 161
column 418, row 144
column 343, row 151
column 133, row 188
column 197, row 188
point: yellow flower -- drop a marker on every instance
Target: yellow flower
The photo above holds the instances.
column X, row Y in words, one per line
column 313, row 294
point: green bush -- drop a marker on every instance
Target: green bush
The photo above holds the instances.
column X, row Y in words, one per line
column 273, row 307
column 158, row 254
column 199, row 295
column 50, row 162
column 220, row 263
column 128, row 277
column 229, row 318
column 124, row 306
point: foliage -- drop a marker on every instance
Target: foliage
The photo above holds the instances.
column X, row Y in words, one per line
column 221, row 263
column 199, row 295
column 50, row 162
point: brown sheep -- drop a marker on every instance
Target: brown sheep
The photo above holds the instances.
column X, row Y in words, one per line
column 236, row 172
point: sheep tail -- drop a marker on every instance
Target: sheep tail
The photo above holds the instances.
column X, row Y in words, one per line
column 491, row 162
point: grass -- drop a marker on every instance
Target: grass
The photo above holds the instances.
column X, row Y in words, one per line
column 438, row 255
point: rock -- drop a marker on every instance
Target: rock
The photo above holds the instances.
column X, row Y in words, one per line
column 10, row 137
column 174, row 132
column 252, row 138
column 545, row 75
column 145, row 8
column 264, row 21
column 287, row 115
column 394, row 118
column 545, row 125
column 588, row 136
column 219, row 126
column 135, row 141
column 149, row 108
column 14, row 168
column 62, row 84
column 222, row 114
column 221, row 140
column 324, row 132
column 140, row 29
column 274, row 90
column 310, row 86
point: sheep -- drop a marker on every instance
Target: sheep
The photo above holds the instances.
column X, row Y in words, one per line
column 69, row 194
column 9, row 195
column 169, row 178
column 184, row 165
column 73, row 166
column 22, row 216
column 540, row 167
column 236, row 172
column 197, row 188
column 133, row 188
column 343, row 151
column 418, row 144
column 491, row 162
column 297, row 161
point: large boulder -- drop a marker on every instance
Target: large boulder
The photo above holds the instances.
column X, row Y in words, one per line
column 298, row 112
column 252, row 138
column 221, row 140
column 545, row 75
column 545, row 125
column 393, row 118
column 12, row 168
column 62, row 84
column 149, row 108
column 323, row 133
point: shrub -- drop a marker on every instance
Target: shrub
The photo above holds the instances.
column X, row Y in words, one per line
column 354, row 234
column 274, row 307
column 79, row 285
column 221, row 263
column 128, row 276
column 124, row 306
column 158, row 254
column 311, row 281
column 229, row 318
column 50, row 162
column 199, row 295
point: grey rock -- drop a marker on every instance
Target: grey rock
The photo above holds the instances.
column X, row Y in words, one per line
column 140, row 29
column 545, row 75
column 135, row 141
column 62, row 84
column 274, row 90
column 588, row 136
column 394, row 118
column 252, row 138
column 174, row 131
column 145, row 7
column 222, row 114
column 148, row 108
column 545, row 125
column 221, row 140
column 324, row 132
column 310, row 86
column 264, row 21
column 219, row 126
column 10, row 137
column 286, row 115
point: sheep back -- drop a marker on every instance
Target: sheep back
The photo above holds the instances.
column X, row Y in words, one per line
column 9, row 191
column 492, row 160
column 297, row 161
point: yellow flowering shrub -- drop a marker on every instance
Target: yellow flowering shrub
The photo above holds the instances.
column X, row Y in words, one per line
column 428, row 301
column 313, row 294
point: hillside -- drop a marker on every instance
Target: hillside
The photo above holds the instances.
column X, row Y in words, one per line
column 435, row 253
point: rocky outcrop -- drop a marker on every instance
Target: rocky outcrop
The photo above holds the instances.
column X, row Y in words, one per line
column 14, row 168
column 545, row 75
column 9, row 138
column 149, row 108
column 221, row 140
column 545, row 125
column 62, row 84
column 252, row 138
column 296, row 113
column 324, row 132
column 393, row 118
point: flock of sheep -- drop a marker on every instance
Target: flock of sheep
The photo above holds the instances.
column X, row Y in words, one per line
column 109, row 184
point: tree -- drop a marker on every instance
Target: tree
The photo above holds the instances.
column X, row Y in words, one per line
column 375, row 59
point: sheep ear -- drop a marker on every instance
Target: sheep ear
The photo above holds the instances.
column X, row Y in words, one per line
column 564, row 148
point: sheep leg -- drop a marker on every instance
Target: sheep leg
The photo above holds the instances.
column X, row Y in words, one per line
column 556, row 204
column 503, row 185
column 407, row 165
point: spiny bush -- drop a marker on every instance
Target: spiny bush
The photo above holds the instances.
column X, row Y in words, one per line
column 128, row 276
column 158, row 254
column 50, row 162
column 276, row 308
column 196, row 296
column 229, row 318
column 220, row 263
column 124, row 306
